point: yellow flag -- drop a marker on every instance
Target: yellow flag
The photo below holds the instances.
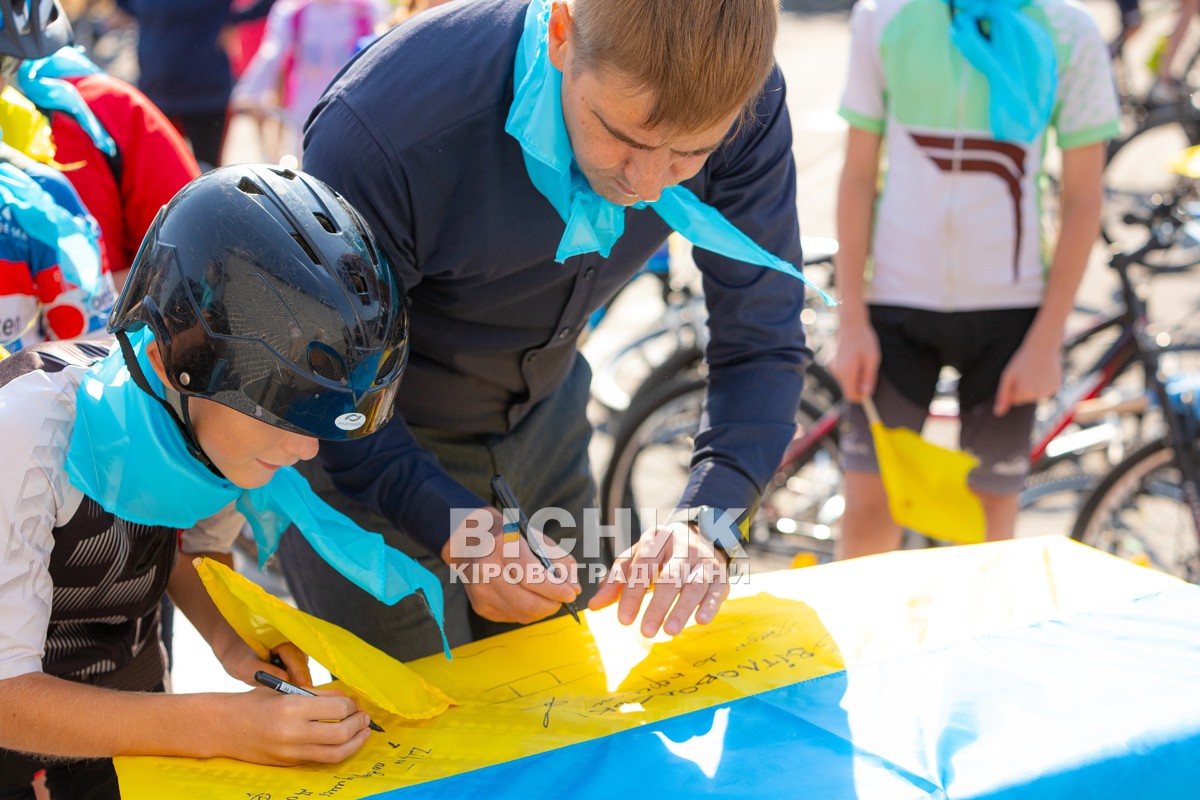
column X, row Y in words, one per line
column 24, row 127
column 1186, row 162
column 265, row 621
column 927, row 485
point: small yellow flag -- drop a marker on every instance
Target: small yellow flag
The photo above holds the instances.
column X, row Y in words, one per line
column 926, row 485
column 264, row 621
column 1186, row 162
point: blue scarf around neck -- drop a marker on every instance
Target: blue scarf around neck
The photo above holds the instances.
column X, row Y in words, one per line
column 128, row 455
column 1016, row 57
column 594, row 224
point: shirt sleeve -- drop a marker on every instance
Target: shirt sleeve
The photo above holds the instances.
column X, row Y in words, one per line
column 31, row 497
column 1087, row 110
column 389, row 471
column 155, row 160
column 756, row 354
column 215, row 534
column 864, row 100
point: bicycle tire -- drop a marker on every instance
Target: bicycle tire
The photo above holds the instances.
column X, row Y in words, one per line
column 1131, row 185
column 1138, row 512
column 651, row 459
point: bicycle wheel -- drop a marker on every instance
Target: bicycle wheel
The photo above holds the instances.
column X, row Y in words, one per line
column 1137, row 175
column 1139, row 513
column 652, row 458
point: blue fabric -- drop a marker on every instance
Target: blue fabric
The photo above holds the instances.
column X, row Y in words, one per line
column 40, row 80
column 1017, row 57
column 128, row 455
column 593, row 223
column 1093, row 705
column 74, row 239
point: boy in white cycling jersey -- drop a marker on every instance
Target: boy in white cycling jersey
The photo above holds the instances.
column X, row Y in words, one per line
column 965, row 95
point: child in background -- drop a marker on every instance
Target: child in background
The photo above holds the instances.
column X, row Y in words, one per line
column 306, row 43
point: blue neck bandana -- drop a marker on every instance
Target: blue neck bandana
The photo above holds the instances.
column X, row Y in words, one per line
column 594, row 224
column 129, row 456
column 1017, row 57
column 74, row 239
column 40, row 81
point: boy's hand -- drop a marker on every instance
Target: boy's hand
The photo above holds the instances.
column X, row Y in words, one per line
column 855, row 363
column 1033, row 373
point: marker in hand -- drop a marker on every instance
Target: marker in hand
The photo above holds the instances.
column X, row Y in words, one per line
column 283, row 687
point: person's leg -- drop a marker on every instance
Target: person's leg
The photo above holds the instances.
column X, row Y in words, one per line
column 1000, row 443
column 867, row 524
column 907, row 377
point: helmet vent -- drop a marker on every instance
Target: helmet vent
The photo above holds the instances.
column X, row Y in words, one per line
column 249, row 187
column 304, row 245
column 360, row 286
column 388, row 367
column 326, row 364
column 326, row 222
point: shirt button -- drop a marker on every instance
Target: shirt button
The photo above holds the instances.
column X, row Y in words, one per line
column 587, row 273
column 564, row 333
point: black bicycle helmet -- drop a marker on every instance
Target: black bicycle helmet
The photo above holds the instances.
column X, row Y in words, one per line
column 267, row 293
column 33, row 28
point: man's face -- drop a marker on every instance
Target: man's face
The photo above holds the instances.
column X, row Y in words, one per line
column 623, row 160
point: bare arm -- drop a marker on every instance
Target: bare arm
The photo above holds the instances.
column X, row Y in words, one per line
column 856, row 361
column 1035, row 370
column 43, row 714
column 238, row 658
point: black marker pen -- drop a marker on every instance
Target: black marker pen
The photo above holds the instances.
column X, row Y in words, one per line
column 283, row 687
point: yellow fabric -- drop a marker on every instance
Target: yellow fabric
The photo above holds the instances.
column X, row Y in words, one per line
column 555, row 683
column 927, row 486
column 1186, row 162
column 264, row 621
column 24, row 127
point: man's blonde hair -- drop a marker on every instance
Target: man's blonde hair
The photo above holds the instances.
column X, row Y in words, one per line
column 702, row 60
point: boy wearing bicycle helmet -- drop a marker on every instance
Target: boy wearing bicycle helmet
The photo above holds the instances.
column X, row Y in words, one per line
column 965, row 94
column 259, row 317
column 536, row 156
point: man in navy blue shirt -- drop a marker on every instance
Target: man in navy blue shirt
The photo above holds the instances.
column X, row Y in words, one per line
column 519, row 164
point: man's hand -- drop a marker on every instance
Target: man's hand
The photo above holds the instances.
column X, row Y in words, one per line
column 855, row 362
column 1033, row 373
column 505, row 582
column 686, row 571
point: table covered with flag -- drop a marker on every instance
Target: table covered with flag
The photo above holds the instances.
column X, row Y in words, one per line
column 1036, row 668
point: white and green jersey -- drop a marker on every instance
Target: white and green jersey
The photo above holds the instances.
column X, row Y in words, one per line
column 957, row 222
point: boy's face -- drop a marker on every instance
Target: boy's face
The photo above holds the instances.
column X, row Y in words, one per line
column 623, row 161
column 247, row 451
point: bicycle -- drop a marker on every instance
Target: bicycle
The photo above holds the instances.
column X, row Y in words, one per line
column 677, row 343
column 1147, row 510
column 1132, row 192
column 802, row 503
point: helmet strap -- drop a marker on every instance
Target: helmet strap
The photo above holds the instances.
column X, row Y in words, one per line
column 175, row 404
